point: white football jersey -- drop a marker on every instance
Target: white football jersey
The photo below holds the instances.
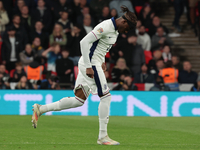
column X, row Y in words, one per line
column 106, row 35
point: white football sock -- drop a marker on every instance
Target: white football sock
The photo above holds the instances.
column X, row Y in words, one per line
column 64, row 103
column 104, row 108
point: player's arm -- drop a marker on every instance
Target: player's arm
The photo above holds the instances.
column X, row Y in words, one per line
column 85, row 44
column 85, row 48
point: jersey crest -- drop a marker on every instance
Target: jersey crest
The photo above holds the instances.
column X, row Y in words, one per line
column 100, row 30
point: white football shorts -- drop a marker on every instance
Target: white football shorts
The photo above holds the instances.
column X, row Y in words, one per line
column 96, row 86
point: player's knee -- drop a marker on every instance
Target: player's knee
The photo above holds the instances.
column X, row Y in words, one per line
column 106, row 94
column 79, row 93
column 106, row 97
column 79, row 101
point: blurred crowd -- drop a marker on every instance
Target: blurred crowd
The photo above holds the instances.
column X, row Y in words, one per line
column 40, row 47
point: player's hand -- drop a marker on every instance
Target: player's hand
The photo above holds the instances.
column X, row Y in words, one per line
column 90, row 72
column 104, row 67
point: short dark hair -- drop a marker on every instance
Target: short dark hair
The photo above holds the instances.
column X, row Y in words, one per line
column 38, row 21
column 78, row 26
column 168, row 64
column 176, row 57
column 160, row 27
column 65, row 50
column 54, row 44
column 15, row 16
column 11, row 28
column 18, row 64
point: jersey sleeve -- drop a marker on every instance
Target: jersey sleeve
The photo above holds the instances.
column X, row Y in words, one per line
column 99, row 31
column 86, row 42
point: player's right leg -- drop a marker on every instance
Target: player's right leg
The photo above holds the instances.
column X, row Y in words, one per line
column 81, row 92
column 64, row 103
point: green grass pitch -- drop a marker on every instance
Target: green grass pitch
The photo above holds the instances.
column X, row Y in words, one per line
column 80, row 133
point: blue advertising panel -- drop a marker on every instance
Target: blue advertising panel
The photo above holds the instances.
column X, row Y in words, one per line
column 123, row 103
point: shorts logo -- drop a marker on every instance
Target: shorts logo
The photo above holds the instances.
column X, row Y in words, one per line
column 100, row 30
column 105, row 86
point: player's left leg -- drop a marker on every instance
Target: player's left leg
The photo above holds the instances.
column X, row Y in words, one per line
column 104, row 106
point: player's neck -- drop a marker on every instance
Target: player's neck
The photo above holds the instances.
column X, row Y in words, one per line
column 117, row 22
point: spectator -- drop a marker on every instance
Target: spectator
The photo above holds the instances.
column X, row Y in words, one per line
column 52, row 54
column 61, row 6
column 192, row 5
column 4, row 77
column 83, row 3
column 18, row 7
column 176, row 62
column 50, row 83
column 146, row 16
column 131, row 52
column 64, row 68
column 24, row 84
column 34, row 70
column 157, row 55
column 166, row 54
column 113, row 13
column 159, row 85
column 43, row 14
column 187, row 75
column 160, row 64
column 20, row 30
column 116, row 4
column 126, row 85
column 77, row 33
column 76, row 10
column 169, row 74
column 144, row 76
column 11, row 47
column 7, row 5
column 26, row 19
column 105, row 14
column 2, row 85
column 137, row 57
column 155, row 24
column 87, row 23
column 19, row 72
column 85, row 11
column 38, row 32
column 97, row 6
column 37, row 48
column 3, row 71
column 120, row 70
column 28, row 3
column 4, row 20
column 178, row 7
column 196, row 86
column 27, row 56
column 138, row 25
column 58, row 36
column 160, row 40
column 65, row 22
column 144, row 39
